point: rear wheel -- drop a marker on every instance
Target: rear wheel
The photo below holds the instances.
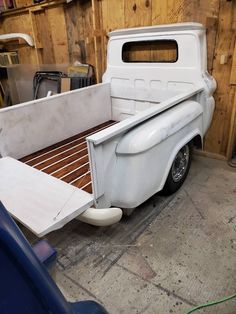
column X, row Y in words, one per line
column 179, row 170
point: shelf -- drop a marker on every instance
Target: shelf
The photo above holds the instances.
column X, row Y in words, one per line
column 33, row 7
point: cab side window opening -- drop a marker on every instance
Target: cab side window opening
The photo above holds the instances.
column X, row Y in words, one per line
column 150, row 51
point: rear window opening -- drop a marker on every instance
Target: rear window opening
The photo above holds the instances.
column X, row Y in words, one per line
column 150, row 51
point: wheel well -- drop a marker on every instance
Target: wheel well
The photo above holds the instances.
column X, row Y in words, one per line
column 197, row 141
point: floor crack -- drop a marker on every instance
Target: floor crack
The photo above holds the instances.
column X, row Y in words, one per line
column 194, row 205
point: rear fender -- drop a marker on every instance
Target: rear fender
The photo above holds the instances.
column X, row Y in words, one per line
column 158, row 129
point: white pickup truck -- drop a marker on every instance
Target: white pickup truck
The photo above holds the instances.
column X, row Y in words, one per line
column 92, row 152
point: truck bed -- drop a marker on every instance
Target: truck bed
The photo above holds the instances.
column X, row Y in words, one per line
column 67, row 160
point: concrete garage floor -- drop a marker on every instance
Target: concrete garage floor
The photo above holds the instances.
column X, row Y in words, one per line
column 170, row 254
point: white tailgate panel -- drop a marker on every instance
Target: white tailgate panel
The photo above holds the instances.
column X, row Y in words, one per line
column 39, row 201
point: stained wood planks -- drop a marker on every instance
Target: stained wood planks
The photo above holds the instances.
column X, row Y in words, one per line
column 217, row 139
column 233, row 69
column 67, row 160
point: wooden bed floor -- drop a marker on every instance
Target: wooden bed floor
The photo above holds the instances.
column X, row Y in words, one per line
column 67, row 160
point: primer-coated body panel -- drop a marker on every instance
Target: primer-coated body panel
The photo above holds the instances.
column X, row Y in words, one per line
column 39, row 201
column 160, row 107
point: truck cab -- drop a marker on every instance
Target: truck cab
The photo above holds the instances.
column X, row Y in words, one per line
column 148, row 65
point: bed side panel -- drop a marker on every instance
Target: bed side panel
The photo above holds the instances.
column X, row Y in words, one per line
column 34, row 125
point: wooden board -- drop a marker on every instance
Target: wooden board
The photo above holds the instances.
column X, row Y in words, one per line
column 233, row 69
column 57, row 26
column 207, row 13
column 23, row 3
column 217, row 138
column 67, row 160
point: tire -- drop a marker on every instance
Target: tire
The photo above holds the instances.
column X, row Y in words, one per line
column 179, row 170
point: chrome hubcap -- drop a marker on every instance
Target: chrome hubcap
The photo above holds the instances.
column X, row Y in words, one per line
column 180, row 164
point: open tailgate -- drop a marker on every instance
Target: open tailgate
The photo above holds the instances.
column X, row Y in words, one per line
column 39, row 201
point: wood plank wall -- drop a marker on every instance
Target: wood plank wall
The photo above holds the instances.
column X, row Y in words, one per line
column 78, row 31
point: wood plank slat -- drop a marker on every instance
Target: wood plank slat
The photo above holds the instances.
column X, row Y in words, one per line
column 88, row 188
column 66, row 141
column 84, row 180
column 70, row 167
column 54, row 152
column 44, row 164
column 70, row 178
column 67, row 160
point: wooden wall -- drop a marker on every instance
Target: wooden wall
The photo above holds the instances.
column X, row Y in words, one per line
column 78, row 31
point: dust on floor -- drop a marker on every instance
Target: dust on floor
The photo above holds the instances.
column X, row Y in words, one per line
column 172, row 253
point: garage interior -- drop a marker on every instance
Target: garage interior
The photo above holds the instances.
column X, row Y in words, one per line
column 173, row 252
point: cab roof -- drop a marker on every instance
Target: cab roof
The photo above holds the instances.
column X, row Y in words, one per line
column 157, row 28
